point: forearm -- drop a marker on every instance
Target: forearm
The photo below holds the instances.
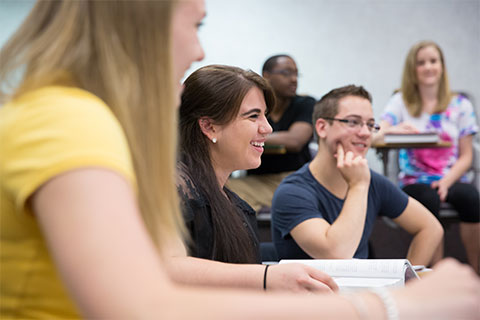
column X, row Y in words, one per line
column 458, row 170
column 195, row 271
column 285, row 138
column 423, row 246
column 344, row 235
column 463, row 163
column 252, row 305
column 378, row 136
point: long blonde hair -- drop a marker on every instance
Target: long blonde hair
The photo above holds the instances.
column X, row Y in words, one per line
column 409, row 89
column 119, row 51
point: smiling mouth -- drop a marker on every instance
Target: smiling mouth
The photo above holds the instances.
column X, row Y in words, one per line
column 257, row 144
column 362, row 145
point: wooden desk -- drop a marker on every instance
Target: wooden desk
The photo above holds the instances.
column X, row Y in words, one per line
column 383, row 149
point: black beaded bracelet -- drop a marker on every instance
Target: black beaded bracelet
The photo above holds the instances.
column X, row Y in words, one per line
column 265, row 277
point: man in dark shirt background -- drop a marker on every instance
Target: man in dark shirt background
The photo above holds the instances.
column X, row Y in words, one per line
column 286, row 149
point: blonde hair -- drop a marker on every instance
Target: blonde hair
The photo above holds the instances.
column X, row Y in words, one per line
column 119, row 51
column 409, row 89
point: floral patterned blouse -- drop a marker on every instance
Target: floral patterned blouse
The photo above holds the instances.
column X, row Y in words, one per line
column 425, row 165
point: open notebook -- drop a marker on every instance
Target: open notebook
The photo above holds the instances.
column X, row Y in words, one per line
column 353, row 274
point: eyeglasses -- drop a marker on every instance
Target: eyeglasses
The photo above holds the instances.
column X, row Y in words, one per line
column 286, row 73
column 357, row 123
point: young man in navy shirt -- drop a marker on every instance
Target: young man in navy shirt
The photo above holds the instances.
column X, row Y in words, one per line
column 327, row 208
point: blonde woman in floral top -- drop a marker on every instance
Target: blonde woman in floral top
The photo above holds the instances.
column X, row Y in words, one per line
column 434, row 175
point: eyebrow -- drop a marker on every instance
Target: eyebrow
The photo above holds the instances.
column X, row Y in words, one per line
column 255, row 110
column 358, row 116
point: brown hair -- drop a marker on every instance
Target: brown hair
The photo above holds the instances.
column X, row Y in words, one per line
column 119, row 51
column 327, row 106
column 409, row 88
column 216, row 92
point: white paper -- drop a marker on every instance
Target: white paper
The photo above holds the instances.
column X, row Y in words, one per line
column 363, row 273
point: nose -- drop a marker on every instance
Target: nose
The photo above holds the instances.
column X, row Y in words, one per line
column 265, row 127
column 428, row 65
column 200, row 53
column 294, row 78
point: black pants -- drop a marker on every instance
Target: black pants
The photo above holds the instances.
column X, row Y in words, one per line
column 462, row 196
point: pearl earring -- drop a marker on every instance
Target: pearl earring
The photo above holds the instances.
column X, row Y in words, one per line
column 214, row 140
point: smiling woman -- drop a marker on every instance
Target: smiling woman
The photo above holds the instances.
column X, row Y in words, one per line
column 222, row 130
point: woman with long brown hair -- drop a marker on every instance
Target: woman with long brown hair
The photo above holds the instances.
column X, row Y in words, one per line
column 223, row 127
column 87, row 183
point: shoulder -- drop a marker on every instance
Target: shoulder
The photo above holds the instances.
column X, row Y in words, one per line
column 378, row 178
column 381, row 181
column 298, row 183
column 460, row 97
column 305, row 101
column 240, row 203
column 297, row 177
column 296, row 199
column 61, row 99
column 62, row 128
column 384, row 191
column 396, row 100
column 462, row 112
column 69, row 111
column 192, row 201
column 462, row 101
column 300, row 109
column 186, row 185
column 395, row 109
column 380, row 185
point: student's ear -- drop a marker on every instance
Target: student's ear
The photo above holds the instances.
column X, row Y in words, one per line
column 320, row 128
column 266, row 75
column 207, row 127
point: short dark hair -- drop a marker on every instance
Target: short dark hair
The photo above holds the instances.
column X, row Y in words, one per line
column 327, row 106
column 272, row 62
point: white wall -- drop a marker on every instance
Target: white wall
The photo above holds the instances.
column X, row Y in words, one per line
column 338, row 42
column 12, row 12
column 335, row 42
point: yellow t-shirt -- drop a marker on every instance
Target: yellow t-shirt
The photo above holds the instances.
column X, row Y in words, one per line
column 44, row 133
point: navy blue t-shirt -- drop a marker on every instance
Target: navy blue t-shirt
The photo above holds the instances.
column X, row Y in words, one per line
column 300, row 197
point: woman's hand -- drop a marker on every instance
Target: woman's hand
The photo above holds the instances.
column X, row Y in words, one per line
column 461, row 166
column 386, row 127
column 404, row 127
column 299, row 278
column 442, row 187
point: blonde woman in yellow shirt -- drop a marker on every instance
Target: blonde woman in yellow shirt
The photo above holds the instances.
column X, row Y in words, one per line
column 87, row 159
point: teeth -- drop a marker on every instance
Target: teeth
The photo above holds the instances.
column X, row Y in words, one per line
column 257, row 144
